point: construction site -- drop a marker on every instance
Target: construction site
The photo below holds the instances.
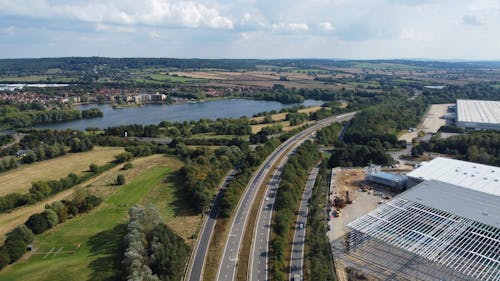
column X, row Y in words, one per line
column 446, row 227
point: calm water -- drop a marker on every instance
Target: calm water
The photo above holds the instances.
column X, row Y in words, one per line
column 155, row 113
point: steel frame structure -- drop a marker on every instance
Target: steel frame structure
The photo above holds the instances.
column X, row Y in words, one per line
column 437, row 244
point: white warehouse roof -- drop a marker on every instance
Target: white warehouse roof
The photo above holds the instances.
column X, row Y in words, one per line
column 478, row 111
column 470, row 175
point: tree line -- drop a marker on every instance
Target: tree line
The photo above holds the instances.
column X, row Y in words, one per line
column 480, row 147
column 293, row 180
column 17, row 241
column 318, row 261
column 152, row 250
column 42, row 189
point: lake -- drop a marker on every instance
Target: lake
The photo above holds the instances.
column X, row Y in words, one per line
column 155, row 113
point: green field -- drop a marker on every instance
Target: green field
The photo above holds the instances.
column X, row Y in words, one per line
column 386, row 66
column 99, row 233
column 158, row 78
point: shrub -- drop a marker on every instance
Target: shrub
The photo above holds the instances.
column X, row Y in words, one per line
column 128, row 166
column 94, row 168
column 120, row 179
column 61, row 210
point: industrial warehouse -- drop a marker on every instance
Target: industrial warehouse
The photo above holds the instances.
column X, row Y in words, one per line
column 447, row 227
column 478, row 114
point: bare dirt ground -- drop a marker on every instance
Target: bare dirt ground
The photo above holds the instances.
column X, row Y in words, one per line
column 363, row 203
column 19, row 180
column 432, row 121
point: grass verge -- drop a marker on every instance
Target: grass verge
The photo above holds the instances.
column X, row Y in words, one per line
column 95, row 237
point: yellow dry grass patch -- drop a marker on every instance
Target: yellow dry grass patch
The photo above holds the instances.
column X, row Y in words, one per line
column 19, row 180
column 199, row 75
column 100, row 185
column 280, row 117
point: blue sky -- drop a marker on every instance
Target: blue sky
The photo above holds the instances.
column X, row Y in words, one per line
column 357, row 29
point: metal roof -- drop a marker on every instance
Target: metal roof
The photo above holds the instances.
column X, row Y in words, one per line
column 478, row 111
column 470, row 175
column 388, row 176
column 464, row 202
column 442, row 223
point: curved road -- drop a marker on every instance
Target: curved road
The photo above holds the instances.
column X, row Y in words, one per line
column 299, row 237
column 258, row 270
column 229, row 262
column 197, row 261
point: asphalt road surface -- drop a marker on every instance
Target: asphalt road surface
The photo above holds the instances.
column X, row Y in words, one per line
column 229, row 263
column 197, row 263
column 299, row 237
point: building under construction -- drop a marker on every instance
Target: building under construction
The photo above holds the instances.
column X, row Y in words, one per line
column 434, row 231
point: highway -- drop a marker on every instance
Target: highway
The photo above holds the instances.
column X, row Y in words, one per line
column 299, row 237
column 229, row 263
column 197, row 261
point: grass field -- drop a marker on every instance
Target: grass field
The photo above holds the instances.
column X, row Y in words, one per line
column 19, row 180
column 100, row 232
column 280, row 118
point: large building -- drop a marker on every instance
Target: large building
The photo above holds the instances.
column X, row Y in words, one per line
column 447, row 227
column 478, row 114
column 434, row 231
column 470, row 175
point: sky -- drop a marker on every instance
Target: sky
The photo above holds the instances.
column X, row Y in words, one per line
column 266, row 29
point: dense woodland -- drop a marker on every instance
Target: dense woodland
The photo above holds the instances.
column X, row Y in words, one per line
column 20, row 115
column 480, row 147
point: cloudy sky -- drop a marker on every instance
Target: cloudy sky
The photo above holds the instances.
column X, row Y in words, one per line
column 357, row 29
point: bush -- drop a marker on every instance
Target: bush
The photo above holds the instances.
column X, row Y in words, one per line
column 128, row 166
column 120, row 180
column 94, row 168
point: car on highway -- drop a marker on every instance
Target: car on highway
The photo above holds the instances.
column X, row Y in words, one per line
column 301, row 225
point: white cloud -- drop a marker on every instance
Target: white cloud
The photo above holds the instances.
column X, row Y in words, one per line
column 113, row 28
column 154, row 35
column 290, row 27
column 149, row 12
column 326, row 26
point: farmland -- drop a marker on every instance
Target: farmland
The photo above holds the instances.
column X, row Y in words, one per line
column 19, row 180
column 99, row 234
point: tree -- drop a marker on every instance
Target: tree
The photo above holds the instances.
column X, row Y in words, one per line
column 20, row 233
column 37, row 223
column 124, row 157
column 120, row 179
column 15, row 249
column 4, row 259
column 51, row 217
column 60, row 209
column 94, row 168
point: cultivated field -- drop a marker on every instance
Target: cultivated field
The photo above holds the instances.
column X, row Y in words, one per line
column 19, row 180
column 97, row 237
